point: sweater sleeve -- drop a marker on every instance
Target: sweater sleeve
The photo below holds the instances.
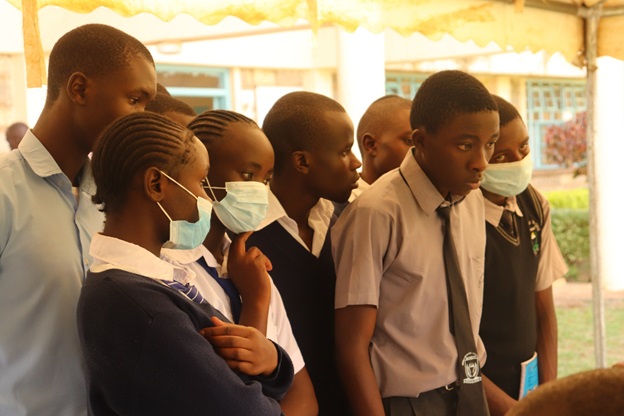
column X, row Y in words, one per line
column 145, row 356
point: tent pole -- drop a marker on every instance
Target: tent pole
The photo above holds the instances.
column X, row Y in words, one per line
column 592, row 18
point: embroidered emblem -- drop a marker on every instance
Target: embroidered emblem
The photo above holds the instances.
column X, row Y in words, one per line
column 534, row 229
column 472, row 369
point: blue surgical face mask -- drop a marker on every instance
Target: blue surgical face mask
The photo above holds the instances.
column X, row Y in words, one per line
column 184, row 235
column 508, row 179
column 244, row 206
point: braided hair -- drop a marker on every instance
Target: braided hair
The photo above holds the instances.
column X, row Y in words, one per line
column 94, row 50
column 445, row 95
column 131, row 145
column 210, row 126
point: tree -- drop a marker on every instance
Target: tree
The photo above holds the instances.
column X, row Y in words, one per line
column 566, row 144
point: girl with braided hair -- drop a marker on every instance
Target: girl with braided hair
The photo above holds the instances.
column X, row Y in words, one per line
column 142, row 321
column 234, row 279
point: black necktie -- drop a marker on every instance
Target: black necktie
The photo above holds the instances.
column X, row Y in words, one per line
column 507, row 222
column 470, row 394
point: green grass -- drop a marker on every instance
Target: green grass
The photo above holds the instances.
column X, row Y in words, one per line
column 576, row 336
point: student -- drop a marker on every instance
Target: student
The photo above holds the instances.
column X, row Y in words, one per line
column 14, row 134
column 96, row 73
column 384, row 136
column 396, row 352
column 312, row 137
column 171, row 107
column 241, row 158
column 522, row 260
column 140, row 317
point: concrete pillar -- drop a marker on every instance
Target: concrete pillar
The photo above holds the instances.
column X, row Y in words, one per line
column 609, row 148
column 360, row 72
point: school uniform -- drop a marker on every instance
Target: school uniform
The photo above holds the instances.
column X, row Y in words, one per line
column 143, row 351
column 521, row 259
column 45, row 232
column 387, row 246
column 278, row 325
column 306, row 280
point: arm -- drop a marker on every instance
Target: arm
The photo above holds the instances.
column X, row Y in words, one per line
column 498, row 401
column 300, row 400
column 248, row 271
column 354, row 331
column 546, row 335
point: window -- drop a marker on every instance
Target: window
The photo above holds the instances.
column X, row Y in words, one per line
column 201, row 88
column 404, row 85
column 551, row 102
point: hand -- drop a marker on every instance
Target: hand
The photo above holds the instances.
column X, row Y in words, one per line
column 248, row 270
column 243, row 348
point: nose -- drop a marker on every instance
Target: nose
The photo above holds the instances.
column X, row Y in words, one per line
column 355, row 162
column 480, row 159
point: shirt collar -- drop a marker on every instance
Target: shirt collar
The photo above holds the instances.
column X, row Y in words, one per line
column 113, row 253
column 44, row 165
column 423, row 190
column 493, row 212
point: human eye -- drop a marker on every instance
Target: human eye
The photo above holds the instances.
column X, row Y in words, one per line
column 134, row 100
column 247, row 176
column 499, row 158
column 408, row 140
column 267, row 180
column 465, row 146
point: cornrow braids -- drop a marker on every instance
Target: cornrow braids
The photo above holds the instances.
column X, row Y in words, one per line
column 132, row 144
column 445, row 95
column 506, row 110
column 209, row 127
column 94, row 50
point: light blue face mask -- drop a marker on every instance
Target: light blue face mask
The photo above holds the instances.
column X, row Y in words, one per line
column 508, row 179
column 244, row 206
column 184, row 235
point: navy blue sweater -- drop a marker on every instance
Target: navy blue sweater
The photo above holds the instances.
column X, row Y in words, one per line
column 145, row 356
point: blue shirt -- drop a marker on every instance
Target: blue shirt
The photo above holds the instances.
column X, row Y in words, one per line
column 44, row 257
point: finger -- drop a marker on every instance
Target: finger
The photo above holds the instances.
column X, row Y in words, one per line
column 228, row 329
column 227, row 341
column 267, row 263
column 237, row 354
column 237, row 246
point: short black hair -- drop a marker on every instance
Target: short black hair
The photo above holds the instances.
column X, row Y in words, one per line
column 92, row 49
column 210, row 126
column 132, row 144
column 445, row 95
column 295, row 122
column 165, row 103
column 506, row 110
column 374, row 118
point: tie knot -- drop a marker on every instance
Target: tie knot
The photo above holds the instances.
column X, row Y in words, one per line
column 444, row 211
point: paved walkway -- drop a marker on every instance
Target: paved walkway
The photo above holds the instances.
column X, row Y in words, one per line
column 569, row 294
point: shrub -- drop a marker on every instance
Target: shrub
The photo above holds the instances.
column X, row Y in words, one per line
column 566, row 144
column 569, row 199
column 571, row 229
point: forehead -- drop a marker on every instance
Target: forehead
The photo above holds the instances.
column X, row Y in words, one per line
column 243, row 143
column 512, row 134
column 137, row 73
column 396, row 122
column 482, row 125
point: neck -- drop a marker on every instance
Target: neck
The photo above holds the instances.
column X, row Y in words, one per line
column 133, row 229
column 57, row 133
column 295, row 199
column 494, row 198
column 368, row 175
column 214, row 239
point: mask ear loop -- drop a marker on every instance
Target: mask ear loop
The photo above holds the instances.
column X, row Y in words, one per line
column 179, row 184
column 163, row 210
column 210, row 188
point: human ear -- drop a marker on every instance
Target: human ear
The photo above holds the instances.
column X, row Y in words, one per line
column 419, row 139
column 153, row 184
column 300, row 160
column 77, row 87
column 369, row 144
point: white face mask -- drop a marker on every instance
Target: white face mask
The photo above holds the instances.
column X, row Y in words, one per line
column 184, row 235
column 508, row 179
column 244, row 206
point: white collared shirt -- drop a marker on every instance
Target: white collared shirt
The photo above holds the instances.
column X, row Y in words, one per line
column 278, row 325
column 319, row 220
